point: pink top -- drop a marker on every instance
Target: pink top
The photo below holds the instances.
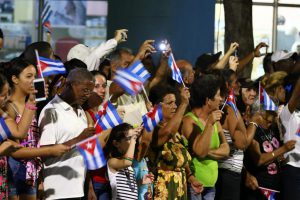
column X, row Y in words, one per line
column 34, row 165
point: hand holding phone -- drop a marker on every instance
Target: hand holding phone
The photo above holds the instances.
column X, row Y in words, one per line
column 39, row 86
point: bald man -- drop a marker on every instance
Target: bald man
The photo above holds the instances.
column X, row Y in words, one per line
column 63, row 121
column 187, row 71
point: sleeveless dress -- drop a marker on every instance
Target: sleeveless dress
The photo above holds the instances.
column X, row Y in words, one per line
column 172, row 159
column 34, row 165
column 3, row 178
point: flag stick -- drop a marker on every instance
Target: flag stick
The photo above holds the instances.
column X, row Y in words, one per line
column 85, row 140
column 101, row 106
column 269, row 189
column 178, row 69
column 38, row 63
column 144, row 90
column 259, row 93
column 224, row 104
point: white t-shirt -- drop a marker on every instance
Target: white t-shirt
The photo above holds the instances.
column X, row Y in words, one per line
column 63, row 176
column 291, row 125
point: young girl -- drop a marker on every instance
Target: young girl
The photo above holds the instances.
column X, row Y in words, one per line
column 19, row 130
column 119, row 150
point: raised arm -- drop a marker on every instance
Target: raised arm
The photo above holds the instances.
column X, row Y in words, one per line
column 248, row 58
column 121, row 163
column 161, row 72
column 172, row 126
column 294, row 100
column 224, row 60
column 20, row 130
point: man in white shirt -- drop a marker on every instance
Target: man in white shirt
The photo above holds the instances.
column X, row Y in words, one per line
column 63, row 121
column 92, row 56
column 290, row 119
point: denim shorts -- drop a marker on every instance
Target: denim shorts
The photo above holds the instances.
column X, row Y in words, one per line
column 18, row 187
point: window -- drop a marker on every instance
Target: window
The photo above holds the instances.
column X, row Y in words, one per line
column 17, row 26
column 72, row 22
column 285, row 14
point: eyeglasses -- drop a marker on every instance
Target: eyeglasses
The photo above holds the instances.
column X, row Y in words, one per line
column 100, row 85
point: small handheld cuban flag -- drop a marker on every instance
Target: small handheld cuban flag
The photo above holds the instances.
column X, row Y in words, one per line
column 176, row 74
column 139, row 69
column 4, row 130
column 231, row 102
column 46, row 14
column 269, row 194
column 108, row 117
column 92, row 153
column 152, row 118
column 266, row 101
column 129, row 81
column 50, row 67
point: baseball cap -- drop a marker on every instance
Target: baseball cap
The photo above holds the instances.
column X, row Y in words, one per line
column 247, row 83
column 86, row 55
column 205, row 60
column 281, row 55
column 79, row 51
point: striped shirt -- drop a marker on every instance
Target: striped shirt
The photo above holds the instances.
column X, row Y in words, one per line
column 123, row 184
column 234, row 162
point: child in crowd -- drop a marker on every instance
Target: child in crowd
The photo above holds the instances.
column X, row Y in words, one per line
column 119, row 150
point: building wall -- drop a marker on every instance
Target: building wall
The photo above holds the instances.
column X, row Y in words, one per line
column 188, row 25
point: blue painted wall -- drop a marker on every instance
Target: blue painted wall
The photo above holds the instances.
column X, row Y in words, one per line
column 188, row 25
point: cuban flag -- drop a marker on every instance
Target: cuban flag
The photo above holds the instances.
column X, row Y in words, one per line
column 152, row 118
column 51, row 67
column 139, row 69
column 298, row 131
column 231, row 102
column 108, row 117
column 265, row 100
column 176, row 74
column 92, row 153
column 269, row 194
column 4, row 130
column 46, row 14
column 129, row 81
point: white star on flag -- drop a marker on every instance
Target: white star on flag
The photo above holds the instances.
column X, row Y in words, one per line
column 89, row 145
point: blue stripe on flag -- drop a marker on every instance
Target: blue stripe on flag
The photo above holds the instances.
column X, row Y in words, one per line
column 102, row 157
column 5, row 132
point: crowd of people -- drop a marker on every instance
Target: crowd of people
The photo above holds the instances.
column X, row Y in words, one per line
column 215, row 140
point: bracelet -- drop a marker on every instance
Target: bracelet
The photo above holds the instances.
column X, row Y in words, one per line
column 128, row 158
column 254, row 123
column 30, row 106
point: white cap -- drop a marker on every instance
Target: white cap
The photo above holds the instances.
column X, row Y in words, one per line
column 79, row 51
column 91, row 55
column 281, row 55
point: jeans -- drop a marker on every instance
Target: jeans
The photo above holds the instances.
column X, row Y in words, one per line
column 208, row 193
column 102, row 191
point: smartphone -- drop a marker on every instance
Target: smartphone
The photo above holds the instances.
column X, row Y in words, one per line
column 264, row 50
column 39, row 85
column 162, row 46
